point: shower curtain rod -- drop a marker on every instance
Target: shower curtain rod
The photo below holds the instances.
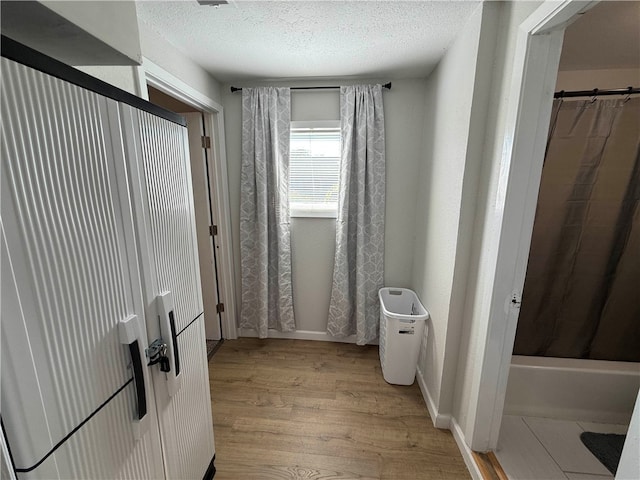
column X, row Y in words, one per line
column 596, row 92
column 239, row 89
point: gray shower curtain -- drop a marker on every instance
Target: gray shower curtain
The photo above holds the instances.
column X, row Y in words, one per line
column 358, row 271
column 582, row 291
column 265, row 245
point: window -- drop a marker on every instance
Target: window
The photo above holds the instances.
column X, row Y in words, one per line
column 314, row 169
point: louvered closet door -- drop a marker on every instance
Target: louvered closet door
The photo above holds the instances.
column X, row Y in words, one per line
column 163, row 208
column 69, row 400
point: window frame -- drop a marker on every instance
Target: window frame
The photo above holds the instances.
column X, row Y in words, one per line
column 302, row 210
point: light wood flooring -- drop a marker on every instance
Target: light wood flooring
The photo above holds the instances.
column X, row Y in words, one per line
column 293, row 409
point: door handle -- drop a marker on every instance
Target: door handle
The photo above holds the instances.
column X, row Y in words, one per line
column 166, row 312
column 174, row 340
column 138, row 378
column 130, row 332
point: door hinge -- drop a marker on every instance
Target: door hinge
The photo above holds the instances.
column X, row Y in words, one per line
column 206, row 141
column 220, row 308
column 213, row 230
column 516, row 300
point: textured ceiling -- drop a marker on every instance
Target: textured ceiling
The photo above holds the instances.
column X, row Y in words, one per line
column 310, row 39
column 606, row 36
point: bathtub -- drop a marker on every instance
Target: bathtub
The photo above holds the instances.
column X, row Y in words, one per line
column 571, row 389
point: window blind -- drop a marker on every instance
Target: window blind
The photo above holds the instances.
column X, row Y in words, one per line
column 314, row 170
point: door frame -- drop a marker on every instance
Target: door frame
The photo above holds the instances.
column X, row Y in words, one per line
column 213, row 112
column 509, row 224
column 199, row 154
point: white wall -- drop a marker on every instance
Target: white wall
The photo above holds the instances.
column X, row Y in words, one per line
column 465, row 122
column 486, row 226
column 455, row 100
column 121, row 76
column 78, row 32
column 156, row 49
column 115, row 23
column 313, row 240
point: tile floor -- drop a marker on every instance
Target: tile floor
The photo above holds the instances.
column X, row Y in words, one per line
column 541, row 448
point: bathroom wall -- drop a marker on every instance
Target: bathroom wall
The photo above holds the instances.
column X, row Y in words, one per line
column 313, row 239
column 597, row 78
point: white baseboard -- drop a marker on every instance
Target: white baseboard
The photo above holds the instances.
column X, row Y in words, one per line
column 469, row 461
column 440, row 420
column 446, row 421
column 302, row 335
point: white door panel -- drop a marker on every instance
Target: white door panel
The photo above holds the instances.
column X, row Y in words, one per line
column 186, row 420
column 163, row 206
column 104, row 448
column 6, row 465
column 66, row 281
column 20, row 386
column 158, row 160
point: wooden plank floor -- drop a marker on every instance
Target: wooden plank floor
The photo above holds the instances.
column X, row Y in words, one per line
column 293, row 409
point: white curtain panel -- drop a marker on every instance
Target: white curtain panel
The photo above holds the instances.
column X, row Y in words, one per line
column 265, row 245
column 359, row 262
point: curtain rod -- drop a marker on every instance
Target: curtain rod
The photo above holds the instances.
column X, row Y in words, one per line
column 239, row 89
column 596, row 92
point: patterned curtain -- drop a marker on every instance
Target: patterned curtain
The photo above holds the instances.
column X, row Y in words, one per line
column 358, row 271
column 265, row 246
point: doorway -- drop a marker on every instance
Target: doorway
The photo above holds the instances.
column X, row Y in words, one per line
column 534, row 79
column 572, row 381
column 200, row 152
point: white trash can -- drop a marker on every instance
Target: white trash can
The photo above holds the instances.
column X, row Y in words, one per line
column 402, row 319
